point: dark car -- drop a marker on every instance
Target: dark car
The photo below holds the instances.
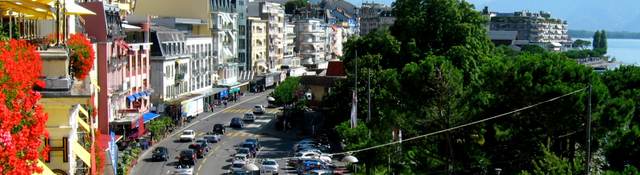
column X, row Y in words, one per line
column 236, row 123
column 199, row 149
column 251, row 146
column 218, row 129
column 160, row 154
column 254, row 141
column 187, row 157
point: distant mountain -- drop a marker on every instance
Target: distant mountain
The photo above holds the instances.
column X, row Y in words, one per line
column 618, row 15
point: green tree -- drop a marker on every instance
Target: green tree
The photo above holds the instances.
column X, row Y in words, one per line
column 603, row 42
column 550, row 163
column 533, row 49
column 581, row 44
column 441, row 27
column 292, row 5
column 596, row 40
column 287, row 91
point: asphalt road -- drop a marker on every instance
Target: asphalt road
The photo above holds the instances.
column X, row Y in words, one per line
column 275, row 144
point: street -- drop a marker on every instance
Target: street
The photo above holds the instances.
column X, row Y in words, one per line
column 274, row 143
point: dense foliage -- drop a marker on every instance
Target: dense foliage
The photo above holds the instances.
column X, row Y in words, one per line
column 82, row 55
column 600, row 42
column 581, row 44
column 288, row 91
column 22, row 119
column 436, row 70
column 291, row 5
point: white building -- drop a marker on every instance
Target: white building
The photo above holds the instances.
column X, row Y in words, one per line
column 181, row 71
column 311, row 41
column 224, row 30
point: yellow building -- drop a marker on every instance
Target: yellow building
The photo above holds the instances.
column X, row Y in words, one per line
column 258, row 45
column 67, row 101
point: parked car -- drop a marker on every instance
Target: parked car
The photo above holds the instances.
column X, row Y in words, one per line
column 218, row 129
column 200, row 150
column 269, row 166
column 160, row 154
column 187, row 157
column 258, row 109
column 188, row 135
column 215, row 138
column 249, row 117
column 236, row 123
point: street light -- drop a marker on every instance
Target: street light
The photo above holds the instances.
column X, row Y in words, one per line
column 498, row 170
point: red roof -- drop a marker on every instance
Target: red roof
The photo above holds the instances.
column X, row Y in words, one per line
column 336, row 68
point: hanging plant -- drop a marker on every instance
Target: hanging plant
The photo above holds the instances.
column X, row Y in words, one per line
column 81, row 55
column 22, row 119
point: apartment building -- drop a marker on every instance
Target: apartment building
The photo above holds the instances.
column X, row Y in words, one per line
column 311, row 41
column 258, row 42
column 243, row 32
column 273, row 13
column 219, row 21
column 375, row 16
column 533, row 27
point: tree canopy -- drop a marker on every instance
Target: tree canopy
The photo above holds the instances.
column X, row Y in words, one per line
column 291, row 5
column 436, row 69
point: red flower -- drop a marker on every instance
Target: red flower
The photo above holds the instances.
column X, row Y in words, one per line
column 22, row 120
column 82, row 55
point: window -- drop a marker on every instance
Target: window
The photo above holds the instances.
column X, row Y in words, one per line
column 241, row 29
column 241, row 44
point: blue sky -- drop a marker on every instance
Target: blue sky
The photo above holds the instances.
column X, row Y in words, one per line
column 613, row 15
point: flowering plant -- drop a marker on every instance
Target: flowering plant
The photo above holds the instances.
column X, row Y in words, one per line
column 22, row 119
column 82, row 55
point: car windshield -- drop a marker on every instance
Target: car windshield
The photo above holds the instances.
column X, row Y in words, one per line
column 243, row 151
column 186, row 153
column 269, row 163
column 187, row 132
column 237, row 165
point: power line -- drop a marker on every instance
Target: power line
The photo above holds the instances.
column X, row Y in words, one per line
column 456, row 127
column 463, row 125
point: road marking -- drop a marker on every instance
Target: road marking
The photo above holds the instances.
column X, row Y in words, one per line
column 145, row 153
column 253, row 125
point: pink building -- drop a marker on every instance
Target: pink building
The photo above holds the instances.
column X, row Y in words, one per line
column 123, row 73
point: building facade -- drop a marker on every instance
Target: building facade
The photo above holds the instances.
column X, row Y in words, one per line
column 375, row 16
column 273, row 13
column 311, row 41
column 243, row 32
column 258, row 45
column 533, row 27
column 224, row 30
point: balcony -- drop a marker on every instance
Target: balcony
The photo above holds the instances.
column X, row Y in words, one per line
column 179, row 77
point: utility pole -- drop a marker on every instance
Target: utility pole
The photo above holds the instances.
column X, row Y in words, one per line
column 369, row 98
column 589, row 133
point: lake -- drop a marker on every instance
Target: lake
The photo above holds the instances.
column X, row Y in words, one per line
column 626, row 51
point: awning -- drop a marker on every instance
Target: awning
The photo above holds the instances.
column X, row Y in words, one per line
column 79, row 151
column 127, row 26
column 149, row 116
column 131, row 98
column 75, row 9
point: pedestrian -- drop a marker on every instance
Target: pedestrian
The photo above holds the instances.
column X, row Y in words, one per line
column 225, row 104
